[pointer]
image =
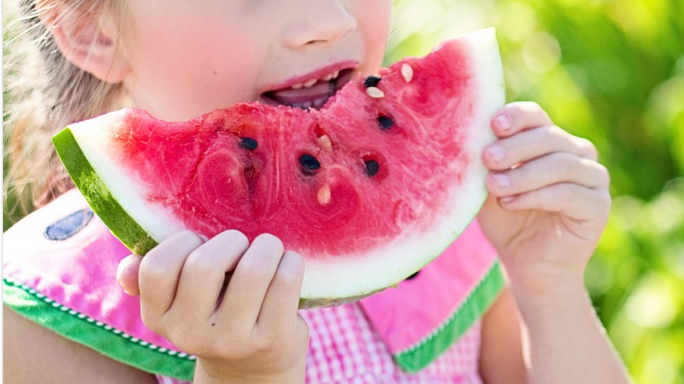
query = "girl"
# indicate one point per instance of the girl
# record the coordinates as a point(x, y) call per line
point(177, 59)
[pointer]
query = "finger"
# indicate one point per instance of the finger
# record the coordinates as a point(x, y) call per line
point(279, 312)
point(160, 270)
point(245, 293)
point(548, 170)
point(574, 201)
point(203, 276)
point(127, 274)
point(519, 116)
point(531, 144)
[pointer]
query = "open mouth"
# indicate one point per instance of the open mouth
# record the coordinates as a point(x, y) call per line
point(313, 93)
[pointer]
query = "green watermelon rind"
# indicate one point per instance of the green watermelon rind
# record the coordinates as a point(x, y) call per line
point(98, 196)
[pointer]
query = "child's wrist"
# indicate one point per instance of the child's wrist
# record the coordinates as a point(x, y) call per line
point(207, 372)
point(549, 291)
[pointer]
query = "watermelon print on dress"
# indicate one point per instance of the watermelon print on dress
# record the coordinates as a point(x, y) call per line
point(369, 189)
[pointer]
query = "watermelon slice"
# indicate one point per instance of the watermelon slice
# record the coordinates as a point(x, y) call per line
point(369, 189)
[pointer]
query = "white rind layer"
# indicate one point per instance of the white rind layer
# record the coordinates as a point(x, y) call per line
point(347, 275)
point(127, 189)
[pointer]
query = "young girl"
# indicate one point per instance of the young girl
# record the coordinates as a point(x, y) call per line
point(178, 59)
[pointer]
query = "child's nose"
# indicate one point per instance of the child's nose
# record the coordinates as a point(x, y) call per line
point(317, 21)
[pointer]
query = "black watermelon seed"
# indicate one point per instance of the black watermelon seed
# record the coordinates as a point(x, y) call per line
point(385, 122)
point(372, 167)
point(309, 163)
point(248, 143)
point(371, 81)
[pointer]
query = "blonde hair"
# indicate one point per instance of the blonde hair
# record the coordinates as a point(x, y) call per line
point(46, 92)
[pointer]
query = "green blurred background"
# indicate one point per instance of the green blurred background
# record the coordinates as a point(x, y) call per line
point(611, 71)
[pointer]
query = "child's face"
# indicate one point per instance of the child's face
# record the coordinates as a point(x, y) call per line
point(190, 57)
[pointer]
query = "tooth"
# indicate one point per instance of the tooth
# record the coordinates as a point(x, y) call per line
point(298, 86)
point(327, 77)
point(310, 83)
point(302, 105)
point(335, 74)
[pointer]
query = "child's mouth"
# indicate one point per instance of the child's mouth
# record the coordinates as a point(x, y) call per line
point(313, 93)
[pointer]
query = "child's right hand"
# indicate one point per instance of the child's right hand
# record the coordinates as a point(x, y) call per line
point(231, 304)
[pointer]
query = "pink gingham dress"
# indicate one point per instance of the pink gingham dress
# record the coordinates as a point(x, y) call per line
point(344, 349)
point(59, 270)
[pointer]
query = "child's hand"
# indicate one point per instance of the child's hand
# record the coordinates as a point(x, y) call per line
point(232, 305)
point(549, 199)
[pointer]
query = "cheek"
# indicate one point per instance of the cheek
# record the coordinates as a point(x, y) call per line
point(199, 64)
point(375, 20)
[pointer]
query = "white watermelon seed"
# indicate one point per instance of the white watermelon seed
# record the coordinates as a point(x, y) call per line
point(324, 195)
point(325, 143)
point(375, 93)
point(407, 72)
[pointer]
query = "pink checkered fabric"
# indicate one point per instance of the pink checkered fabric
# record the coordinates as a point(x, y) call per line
point(344, 349)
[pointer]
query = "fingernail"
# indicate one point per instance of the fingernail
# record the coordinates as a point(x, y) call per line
point(503, 122)
point(496, 152)
point(502, 180)
point(123, 264)
point(507, 199)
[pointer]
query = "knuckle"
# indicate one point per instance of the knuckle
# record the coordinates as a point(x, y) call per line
point(201, 262)
point(588, 149)
point(153, 268)
point(289, 279)
point(253, 270)
point(153, 322)
point(532, 107)
point(604, 174)
point(267, 343)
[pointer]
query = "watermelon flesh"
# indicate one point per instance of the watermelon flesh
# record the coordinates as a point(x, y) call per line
point(368, 189)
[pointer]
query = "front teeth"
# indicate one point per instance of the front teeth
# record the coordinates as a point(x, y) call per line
point(311, 82)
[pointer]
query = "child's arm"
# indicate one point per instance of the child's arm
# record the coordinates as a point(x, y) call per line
point(245, 331)
point(548, 206)
point(35, 354)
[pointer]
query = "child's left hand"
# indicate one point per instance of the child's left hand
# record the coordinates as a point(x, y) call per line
point(549, 199)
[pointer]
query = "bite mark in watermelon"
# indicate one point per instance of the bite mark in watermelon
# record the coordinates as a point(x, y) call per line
point(368, 189)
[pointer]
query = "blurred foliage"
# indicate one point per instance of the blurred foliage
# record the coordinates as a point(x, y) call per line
point(611, 71)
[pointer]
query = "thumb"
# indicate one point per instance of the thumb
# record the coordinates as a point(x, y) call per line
point(127, 274)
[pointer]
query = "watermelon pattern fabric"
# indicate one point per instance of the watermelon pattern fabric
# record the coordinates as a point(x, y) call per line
point(69, 286)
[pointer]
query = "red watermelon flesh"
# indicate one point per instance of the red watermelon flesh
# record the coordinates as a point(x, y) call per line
point(368, 189)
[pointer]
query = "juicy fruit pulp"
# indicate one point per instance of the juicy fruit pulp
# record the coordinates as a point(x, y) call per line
point(369, 189)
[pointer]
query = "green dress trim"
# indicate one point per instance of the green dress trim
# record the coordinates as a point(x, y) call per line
point(99, 336)
point(473, 307)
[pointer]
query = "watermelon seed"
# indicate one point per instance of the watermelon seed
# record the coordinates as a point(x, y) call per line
point(248, 143)
point(324, 195)
point(372, 167)
point(375, 93)
point(407, 72)
point(309, 163)
point(385, 122)
point(325, 143)
point(371, 81)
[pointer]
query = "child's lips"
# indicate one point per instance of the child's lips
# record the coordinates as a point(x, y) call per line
point(310, 96)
